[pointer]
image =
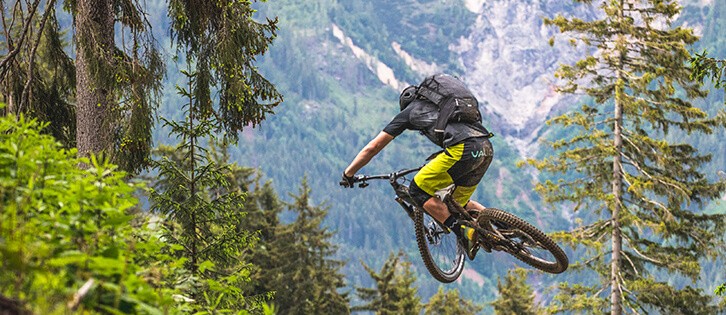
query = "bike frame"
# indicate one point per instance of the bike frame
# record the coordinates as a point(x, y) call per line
point(404, 199)
point(496, 230)
point(401, 189)
point(487, 237)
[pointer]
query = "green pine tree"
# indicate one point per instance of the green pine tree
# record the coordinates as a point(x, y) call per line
point(117, 83)
point(225, 40)
point(202, 212)
point(292, 260)
point(300, 270)
point(515, 295)
point(394, 293)
point(450, 303)
point(37, 77)
point(706, 67)
point(268, 258)
point(101, 102)
point(642, 188)
point(715, 69)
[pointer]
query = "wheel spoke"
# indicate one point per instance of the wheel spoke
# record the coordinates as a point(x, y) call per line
point(440, 251)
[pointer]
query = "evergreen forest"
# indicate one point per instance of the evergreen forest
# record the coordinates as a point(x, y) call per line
point(184, 157)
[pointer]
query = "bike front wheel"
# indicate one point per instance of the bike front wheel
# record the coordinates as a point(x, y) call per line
point(524, 241)
point(440, 250)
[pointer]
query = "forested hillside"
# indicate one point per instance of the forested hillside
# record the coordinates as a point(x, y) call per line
point(336, 100)
point(238, 178)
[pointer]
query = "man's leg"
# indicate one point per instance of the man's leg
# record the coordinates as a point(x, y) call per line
point(437, 209)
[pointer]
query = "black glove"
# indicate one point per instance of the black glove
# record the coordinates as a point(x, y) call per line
point(347, 181)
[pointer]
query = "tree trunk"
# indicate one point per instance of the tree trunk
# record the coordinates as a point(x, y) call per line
point(616, 306)
point(615, 297)
point(94, 81)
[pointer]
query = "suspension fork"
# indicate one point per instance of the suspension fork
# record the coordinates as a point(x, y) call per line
point(407, 207)
point(403, 198)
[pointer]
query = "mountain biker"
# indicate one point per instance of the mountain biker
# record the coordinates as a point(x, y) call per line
point(466, 157)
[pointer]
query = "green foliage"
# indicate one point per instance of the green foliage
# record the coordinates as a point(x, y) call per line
point(394, 292)
point(37, 77)
point(118, 82)
point(516, 296)
point(201, 215)
point(294, 260)
point(61, 227)
point(450, 303)
point(705, 67)
point(630, 181)
point(224, 40)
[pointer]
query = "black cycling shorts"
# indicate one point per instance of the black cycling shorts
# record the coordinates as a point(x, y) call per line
point(462, 164)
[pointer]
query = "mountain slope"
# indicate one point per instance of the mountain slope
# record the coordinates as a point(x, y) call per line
point(341, 65)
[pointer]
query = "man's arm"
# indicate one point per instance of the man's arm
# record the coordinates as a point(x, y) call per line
point(368, 152)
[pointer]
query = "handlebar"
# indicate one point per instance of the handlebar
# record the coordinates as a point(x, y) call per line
point(392, 177)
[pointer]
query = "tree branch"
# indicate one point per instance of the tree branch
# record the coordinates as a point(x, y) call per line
point(27, 91)
point(635, 249)
point(11, 55)
point(78, 296)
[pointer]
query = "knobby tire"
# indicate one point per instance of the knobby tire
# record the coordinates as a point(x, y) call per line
point(543, 241)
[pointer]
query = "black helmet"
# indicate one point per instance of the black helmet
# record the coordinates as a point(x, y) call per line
point(407, 96)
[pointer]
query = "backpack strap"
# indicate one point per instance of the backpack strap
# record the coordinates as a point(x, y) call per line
point(431, 95)
point(439, 99)
point(445, 112)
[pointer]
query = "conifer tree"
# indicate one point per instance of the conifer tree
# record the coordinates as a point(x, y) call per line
point(641, 188)
point(515, 295)
point(714, 69)
point(224, 39)
point(103, 101)
point(707, 67)
point(450, 303)
point(394, 293)
point(95, 25)
point(202, 212)
point(37, 77)
point(117, 84)
point(297, 263)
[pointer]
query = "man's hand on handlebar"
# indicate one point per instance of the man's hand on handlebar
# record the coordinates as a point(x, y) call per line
point(347, 181)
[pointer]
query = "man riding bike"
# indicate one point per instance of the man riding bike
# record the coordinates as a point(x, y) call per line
point(466, 157)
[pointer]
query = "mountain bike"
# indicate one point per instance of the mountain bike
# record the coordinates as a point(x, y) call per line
point(496, 229)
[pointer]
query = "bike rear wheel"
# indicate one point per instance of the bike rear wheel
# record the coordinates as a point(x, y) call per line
point(440, 250)
point(531, 245)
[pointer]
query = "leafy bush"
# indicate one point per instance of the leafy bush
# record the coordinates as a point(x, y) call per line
point(65, 222)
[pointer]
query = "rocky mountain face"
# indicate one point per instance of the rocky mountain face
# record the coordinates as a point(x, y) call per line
point(509, 62)
point(504, 56)
point(503, 53)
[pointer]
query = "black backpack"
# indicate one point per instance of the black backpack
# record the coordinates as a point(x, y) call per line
point(455, 101)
